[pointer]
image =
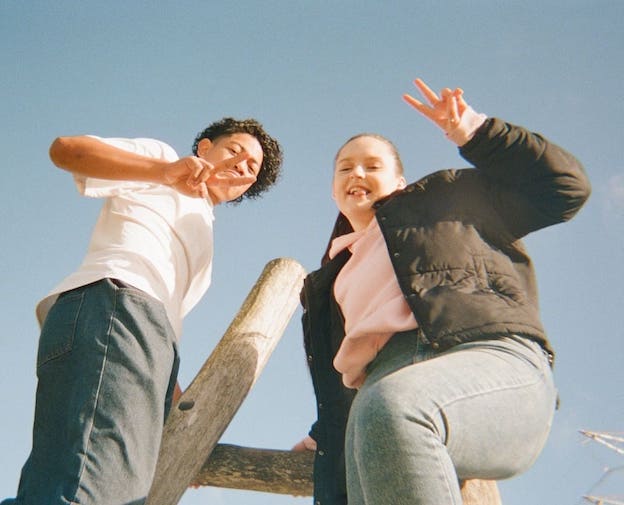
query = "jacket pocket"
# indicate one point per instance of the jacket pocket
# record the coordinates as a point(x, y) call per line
point(59, 328)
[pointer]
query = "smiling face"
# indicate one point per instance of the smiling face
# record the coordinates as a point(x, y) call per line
point(228, 146)
point(366, 169)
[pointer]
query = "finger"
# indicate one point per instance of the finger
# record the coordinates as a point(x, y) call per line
point(452, 112)
point(445, 93)
point(218, 180)
point(426, 91)
point(461, 103)
point(233, 161)
point(201, 169)
point(417, 104)
point(426, 111)
point(203, 190)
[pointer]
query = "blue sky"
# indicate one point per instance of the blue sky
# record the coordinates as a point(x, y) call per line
point(315, 73)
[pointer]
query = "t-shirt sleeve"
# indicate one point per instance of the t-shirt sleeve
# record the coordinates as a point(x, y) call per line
point(101, 188)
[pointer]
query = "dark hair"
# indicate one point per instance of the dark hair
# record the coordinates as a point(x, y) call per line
point(271, 150)
point(393, 149)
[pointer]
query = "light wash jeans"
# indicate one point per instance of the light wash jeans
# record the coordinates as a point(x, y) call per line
point(422, 421)
point(106, 367)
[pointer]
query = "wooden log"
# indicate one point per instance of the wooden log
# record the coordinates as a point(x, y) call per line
point(267, 470)
point(210, 402)
point(290, 473)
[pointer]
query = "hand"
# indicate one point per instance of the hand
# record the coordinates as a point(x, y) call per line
point(307, 444)
point(177, 174)
point(444, 110)
point(193, 175)
point(224, 173)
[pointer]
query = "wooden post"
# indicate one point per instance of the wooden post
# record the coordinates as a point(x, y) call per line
point(288, 472)
point(210, 402)
point(189, 453)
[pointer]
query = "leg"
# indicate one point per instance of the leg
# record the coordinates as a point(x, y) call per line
point(481, 410)
point(105, 362)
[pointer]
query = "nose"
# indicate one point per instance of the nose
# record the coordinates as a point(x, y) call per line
point(241, 167)
point(358, 171)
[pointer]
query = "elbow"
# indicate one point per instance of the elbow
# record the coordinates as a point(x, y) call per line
point(68, 152)
point(59, 151)
point(575, 197)
point(581, 188)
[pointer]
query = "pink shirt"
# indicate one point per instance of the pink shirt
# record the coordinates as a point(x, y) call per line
point(371, 300)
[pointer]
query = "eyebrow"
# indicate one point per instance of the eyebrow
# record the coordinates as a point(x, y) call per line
point(368, 158)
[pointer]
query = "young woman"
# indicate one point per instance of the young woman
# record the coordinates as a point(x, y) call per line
point(429, 361)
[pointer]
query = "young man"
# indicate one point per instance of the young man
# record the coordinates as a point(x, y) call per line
point(107, 360)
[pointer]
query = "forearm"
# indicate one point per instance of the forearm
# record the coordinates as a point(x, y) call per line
point(91, 157)
point(549, 181)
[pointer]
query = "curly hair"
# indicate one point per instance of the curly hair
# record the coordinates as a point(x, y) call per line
point(272, 152)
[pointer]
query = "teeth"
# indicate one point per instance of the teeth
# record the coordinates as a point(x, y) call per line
point(353, 191)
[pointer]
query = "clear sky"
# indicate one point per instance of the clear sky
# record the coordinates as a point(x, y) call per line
point(315, 73)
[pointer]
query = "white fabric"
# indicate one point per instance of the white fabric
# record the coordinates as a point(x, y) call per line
point(147, 235)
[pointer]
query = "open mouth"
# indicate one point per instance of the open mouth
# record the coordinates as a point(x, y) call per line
point(358, 191)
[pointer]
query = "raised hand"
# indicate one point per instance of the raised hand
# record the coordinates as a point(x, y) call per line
point(224, 173)
point(445, 109)
point(193, 175)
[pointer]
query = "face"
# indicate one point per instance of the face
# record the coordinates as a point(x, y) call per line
point(365, 171)
point(226, 147)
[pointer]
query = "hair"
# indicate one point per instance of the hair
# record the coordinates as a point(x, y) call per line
point(270, 169)
point(393, 149)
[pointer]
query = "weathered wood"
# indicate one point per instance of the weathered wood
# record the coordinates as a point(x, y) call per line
point(267, 470)
point(290, 473)
point(210, 402)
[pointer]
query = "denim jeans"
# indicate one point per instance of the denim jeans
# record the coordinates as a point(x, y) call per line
point(106, 366)
point(423, 421)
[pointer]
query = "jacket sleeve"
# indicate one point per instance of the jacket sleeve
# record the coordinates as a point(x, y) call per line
point(533, 182)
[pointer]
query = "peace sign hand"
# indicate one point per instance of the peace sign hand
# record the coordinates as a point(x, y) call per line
point(444, 110)
point(226, 172)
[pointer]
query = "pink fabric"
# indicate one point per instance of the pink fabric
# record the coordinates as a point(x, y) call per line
point(371, 301)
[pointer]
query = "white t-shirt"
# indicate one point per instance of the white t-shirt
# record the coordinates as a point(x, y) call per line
point(147, 235)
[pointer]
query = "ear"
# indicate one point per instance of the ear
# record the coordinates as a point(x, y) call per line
point(203, 146)
point(402, 183)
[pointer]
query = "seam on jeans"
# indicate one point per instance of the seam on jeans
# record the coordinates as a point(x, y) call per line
point(97, 398)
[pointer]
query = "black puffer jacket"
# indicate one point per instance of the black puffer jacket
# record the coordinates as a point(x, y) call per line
point(454, 241)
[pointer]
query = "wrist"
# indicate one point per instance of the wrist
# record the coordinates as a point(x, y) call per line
point(469, 123)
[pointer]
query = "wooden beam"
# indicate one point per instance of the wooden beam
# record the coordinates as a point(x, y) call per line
point(290, 473)
point(210, 402)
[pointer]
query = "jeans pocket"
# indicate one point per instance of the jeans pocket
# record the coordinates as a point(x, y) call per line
point(59, 328)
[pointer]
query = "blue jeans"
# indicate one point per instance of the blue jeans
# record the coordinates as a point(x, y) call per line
point(423, 421)
point(106, 365)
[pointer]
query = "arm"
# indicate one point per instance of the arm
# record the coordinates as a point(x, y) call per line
point(90, 157)
point(534, 183)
